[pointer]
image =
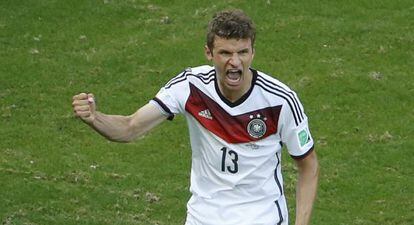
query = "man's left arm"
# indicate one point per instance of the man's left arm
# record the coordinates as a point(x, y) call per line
point(308, 173)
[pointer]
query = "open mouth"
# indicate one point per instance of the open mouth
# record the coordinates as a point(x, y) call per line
point(233, 76)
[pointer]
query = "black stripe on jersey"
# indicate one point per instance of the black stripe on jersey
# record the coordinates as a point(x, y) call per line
point(176, 78)
point(279, 212)
point(297, 121)
point(276, 178)
point(165, 108)
point(282, 89)
point(206, 78)
point(287, 93)
point(208, 74)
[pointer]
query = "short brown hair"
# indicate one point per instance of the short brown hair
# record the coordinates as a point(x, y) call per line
point(230, 24)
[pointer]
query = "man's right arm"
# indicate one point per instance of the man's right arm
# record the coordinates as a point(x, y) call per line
point(116, 127)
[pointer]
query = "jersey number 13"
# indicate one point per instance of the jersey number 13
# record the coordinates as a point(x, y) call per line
point(234, 167)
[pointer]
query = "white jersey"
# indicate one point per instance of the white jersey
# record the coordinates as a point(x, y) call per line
point(236, 174)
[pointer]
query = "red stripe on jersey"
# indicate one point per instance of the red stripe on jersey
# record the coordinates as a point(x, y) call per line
point(233, 129)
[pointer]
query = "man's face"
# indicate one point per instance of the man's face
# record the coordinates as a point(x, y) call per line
point(232, 59)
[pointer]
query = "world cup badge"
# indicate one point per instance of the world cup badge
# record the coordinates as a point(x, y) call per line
point(256, 127)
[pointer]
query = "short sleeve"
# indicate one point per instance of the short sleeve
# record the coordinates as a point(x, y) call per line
point(295, 132)
point(170, 99)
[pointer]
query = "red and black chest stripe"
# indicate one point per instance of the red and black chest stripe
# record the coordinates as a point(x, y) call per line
point(242, 128)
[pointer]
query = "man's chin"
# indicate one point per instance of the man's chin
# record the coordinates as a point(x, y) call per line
point(234, 85)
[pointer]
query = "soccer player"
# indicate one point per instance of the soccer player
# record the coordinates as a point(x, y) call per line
point(239, 118)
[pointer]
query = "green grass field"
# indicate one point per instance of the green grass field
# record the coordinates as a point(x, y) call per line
point(351, 62)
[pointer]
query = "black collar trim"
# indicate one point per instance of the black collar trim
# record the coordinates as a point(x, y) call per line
point(242, 98)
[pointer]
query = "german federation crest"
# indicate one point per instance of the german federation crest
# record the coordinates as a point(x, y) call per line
point(256, 127)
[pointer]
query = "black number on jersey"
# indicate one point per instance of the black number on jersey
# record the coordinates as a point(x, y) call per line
point(234, 158)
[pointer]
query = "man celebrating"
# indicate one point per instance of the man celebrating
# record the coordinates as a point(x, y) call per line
point(238, 119)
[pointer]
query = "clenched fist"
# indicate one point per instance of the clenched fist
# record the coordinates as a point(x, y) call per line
point(84, 107)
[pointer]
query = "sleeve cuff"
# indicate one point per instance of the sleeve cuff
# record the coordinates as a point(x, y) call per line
point(299, 157)
point(164, 108)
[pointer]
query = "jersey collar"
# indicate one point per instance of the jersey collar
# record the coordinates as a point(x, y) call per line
point(242, 98)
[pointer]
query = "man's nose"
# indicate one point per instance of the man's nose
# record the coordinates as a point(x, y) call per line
point(235, 60)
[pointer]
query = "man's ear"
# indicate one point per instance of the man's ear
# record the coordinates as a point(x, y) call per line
point(208, 53)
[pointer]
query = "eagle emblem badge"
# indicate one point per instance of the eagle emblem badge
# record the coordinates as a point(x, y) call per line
point(257, 126)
